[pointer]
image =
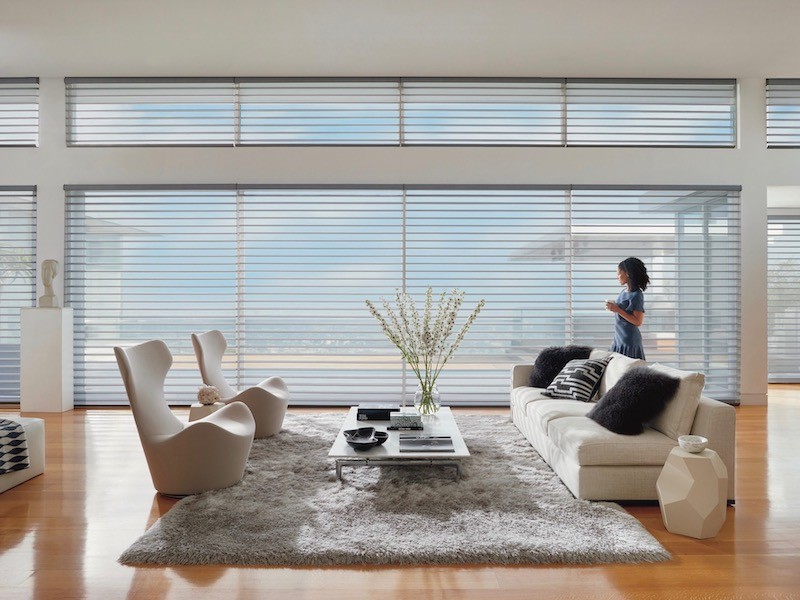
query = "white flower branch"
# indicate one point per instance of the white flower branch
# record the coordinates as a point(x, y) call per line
point(423, 340)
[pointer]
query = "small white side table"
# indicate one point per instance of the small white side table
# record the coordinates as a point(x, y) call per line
point(198, 411)
point(693, 493)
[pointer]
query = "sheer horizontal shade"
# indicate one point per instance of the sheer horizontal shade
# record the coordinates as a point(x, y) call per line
point(17, 279)
point(475, 113)
point(322, 112)
point(784, 290)
point(19, 112)
point(284, 272)
point(401, 111)
point(152, 113)
point(651, 113)
point(783, 113)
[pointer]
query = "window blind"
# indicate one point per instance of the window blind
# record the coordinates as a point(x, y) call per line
point(143, 264)
point(152, 112)
point(689, 240)
point(19, 111)
point(310, 258)
point(499, 245)
point(620, 112)
point(783, 113)
point(784, 290)
point(327, 112)
point(401, 111)
point(284, 271)
point(479, 112)
point(17, 278)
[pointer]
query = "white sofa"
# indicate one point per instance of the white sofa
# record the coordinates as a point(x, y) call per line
point(597, 464)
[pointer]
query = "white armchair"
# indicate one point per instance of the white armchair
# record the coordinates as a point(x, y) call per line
point(183, 458)
point(268, 400)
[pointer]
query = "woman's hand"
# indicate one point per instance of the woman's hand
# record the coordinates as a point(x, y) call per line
point(612, 306)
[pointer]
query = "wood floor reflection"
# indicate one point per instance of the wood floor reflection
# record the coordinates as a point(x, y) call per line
point(60, 534)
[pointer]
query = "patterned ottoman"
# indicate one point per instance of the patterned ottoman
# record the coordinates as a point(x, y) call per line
point(34, 436)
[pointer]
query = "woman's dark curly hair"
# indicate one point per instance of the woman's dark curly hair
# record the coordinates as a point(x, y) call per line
point(637, 273)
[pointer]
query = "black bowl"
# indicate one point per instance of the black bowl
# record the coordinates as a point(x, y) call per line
point(365, 438)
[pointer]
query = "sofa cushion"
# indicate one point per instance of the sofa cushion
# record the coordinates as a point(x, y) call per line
point(551, 360)
point(588, 443)
point(616, 369)
point(544, 411)
point(677, 418)
point(638, 397)
point(521, 396)
point(578, 380)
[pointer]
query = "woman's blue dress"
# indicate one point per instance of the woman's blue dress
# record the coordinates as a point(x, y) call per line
point(627, 337)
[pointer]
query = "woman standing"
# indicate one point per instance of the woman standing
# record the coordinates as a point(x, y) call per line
point(629, 307)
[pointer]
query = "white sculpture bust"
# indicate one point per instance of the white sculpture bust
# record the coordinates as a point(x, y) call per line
point(49, 271)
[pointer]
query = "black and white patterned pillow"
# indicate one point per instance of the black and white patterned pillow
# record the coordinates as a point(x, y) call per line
point(578, 380)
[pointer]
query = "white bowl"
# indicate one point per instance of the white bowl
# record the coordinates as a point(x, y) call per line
point(693, 443)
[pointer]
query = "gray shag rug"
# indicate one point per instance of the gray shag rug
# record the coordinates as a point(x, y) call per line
point(508, 508)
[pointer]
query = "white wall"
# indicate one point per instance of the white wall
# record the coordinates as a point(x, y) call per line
point(751, 165)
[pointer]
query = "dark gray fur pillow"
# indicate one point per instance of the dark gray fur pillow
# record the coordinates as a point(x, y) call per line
point(637, 398)
point(551, 360)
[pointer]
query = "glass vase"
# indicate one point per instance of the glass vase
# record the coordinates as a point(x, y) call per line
point(426, 399)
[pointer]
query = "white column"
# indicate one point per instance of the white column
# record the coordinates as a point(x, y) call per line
point(50, 181)
point(754, 180)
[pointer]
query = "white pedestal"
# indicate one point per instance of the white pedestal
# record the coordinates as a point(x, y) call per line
point(46, 359)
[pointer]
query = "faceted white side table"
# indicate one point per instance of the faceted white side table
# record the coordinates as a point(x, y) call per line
point(693, 493)
point(198, 411)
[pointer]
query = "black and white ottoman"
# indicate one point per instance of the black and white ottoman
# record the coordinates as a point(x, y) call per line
point(34, 436)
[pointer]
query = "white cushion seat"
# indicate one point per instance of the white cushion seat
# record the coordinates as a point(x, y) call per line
point(267, 401)
point(522, 396)
point(592, 444)
point(184, 459)
point(545, 411)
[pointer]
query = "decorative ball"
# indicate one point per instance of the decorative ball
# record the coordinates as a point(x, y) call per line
point(207, 394)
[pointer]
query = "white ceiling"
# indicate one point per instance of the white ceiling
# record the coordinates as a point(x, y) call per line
point(625, 38)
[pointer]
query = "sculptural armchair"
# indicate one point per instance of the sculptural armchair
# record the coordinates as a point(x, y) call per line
point(183, 458)
point(268, 400)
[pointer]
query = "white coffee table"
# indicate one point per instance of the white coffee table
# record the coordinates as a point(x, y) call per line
point(388, 454)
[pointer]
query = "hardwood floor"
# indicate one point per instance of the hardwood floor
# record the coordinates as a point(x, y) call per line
point(60, 534)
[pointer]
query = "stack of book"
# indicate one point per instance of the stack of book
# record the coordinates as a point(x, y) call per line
point(426, 443)
point(376, 412)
